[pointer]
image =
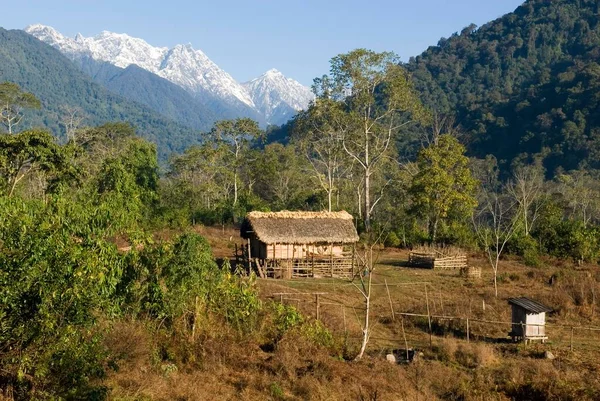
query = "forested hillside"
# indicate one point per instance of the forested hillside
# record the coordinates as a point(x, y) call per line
point(523, 85)
point(135, 83)
point(58, 83)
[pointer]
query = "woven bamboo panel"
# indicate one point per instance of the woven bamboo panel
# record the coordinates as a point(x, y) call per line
point(429, 261)
point(470, 272)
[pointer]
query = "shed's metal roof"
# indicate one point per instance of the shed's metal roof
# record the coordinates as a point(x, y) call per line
point(529, 305)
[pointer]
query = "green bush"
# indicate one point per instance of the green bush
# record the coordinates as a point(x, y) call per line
point(392, 240)
point(526, 247)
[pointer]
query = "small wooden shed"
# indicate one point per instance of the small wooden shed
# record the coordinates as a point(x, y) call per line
point(528, 319)
point(300, 244)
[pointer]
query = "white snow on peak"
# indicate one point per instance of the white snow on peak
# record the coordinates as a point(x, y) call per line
point(191, 69)
point(276, 97)
point(273, 93)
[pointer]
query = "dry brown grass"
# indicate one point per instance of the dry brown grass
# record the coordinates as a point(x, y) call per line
point(221, 365)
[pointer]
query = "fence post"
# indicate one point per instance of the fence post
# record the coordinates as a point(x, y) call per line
point(404, 335)
point(468, 339)
point(318, 305)
point(390, 299)
point(572, 329)
point(344, 315)
point(428, 316)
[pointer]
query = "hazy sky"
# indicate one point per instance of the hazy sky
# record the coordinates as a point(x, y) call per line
point(246, 37)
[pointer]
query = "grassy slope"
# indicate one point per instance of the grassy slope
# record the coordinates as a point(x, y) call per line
point(218, 367)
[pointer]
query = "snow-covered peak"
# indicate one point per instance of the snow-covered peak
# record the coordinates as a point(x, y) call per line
point(68, 46)
point(273, 71)
point(183, 65)
point(277, 96)
point(274, 96)
point(123, 50)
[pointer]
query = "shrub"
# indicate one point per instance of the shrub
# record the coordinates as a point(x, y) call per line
point(392, 240)
point(526, 247)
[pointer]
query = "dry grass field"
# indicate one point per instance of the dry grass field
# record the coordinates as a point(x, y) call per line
point(220, 365)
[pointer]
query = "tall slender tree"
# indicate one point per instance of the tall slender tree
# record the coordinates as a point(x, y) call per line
point(378, 99)
point(236, 135)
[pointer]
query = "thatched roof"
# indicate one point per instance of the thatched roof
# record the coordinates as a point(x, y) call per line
point(300, 227)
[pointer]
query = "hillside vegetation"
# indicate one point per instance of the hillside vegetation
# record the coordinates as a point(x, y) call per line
point(523, 85)
point(118, 278)
point(58, 83)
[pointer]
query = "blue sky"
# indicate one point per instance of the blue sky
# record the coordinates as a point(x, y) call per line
point(248, 37)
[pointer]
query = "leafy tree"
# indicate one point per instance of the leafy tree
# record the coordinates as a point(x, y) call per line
point(377, 96)
point(28, 152)
point(279, 179)
point(443, 186)
point(54, 284)
point(12, 102)
point(318, 132)
point(236, 136)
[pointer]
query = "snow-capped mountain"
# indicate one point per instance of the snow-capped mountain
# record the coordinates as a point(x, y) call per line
point(272, 96)
point(278, 98)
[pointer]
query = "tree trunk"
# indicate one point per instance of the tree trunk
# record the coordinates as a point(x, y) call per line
point(235, 188)
point(433, 229)
point(367, 203)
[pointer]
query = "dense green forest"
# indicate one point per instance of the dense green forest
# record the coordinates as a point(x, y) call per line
point(135, 83)
point(523, 86)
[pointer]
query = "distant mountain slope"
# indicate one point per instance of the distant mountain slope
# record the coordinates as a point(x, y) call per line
point(188, 68)
point(527, 83)
point(278, 98)
point(57, 82)
point(162, 96)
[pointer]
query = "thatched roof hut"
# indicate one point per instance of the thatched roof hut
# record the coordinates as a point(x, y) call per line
point(300, 227)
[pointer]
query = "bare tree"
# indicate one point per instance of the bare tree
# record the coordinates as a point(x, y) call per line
point(495, 224)
point(72, 118)
point(526, 188)
point(366, 264)
point(582, 193)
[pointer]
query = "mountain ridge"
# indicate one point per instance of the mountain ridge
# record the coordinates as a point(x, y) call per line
point(44, 71)
point(188, 68)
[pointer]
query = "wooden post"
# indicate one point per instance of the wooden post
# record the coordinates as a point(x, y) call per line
point(404, 335)
point(468, 339)
point(294, 258)
point(331, 258)
point(280, 298)
point(274, 259)
point(390, 299)
point(344, 316)
point(318, 306)
point(572, 329)
point(353, 252)
point(428, 316)
point(249, 255)
point(312, 258)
